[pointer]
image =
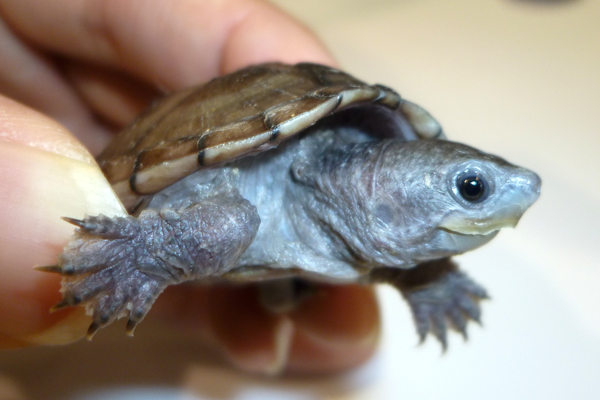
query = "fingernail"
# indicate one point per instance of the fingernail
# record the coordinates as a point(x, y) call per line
point(283, 334)
point(67, 330)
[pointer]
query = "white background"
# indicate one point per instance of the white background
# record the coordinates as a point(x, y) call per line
point(516, 78)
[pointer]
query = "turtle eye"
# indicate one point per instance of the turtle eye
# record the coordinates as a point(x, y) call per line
point(472, 187)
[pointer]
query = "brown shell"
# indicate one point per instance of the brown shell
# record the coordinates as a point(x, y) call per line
point(249, 111)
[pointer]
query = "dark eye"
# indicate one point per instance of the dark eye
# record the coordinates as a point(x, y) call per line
point(472, 187)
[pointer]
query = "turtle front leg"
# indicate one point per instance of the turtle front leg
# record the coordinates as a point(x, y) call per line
point(118, 266)
point(438, 294)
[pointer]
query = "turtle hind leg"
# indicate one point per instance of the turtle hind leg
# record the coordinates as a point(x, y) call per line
point(439, 296)
point(118, 266)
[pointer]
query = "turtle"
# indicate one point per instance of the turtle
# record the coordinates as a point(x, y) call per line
point(287, 175)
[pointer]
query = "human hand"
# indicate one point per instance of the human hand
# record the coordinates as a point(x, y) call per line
point(92, 65)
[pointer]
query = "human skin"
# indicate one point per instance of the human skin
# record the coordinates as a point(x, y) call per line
point(72, 73)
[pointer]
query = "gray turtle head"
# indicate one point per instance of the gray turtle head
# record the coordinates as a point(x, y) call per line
point(446, 198)
point(399, 203)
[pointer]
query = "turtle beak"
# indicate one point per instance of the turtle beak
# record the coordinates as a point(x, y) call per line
point(506, 217)
point(519, 192)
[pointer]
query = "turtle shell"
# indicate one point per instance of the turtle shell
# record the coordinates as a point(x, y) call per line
point(249, 111)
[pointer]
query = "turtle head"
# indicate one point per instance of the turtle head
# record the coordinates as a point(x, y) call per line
point(446, 198)
point(394, 202)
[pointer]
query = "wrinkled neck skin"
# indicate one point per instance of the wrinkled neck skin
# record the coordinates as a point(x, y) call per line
point(347, 202)
point(330, 203)
point(337, 203)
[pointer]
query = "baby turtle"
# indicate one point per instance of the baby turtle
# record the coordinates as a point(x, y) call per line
point(279, 172)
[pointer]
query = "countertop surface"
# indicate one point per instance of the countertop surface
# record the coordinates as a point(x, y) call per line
point(516, 78)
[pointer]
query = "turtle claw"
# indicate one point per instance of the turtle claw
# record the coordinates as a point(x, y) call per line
point(108, 299)
point(131, 324)
point(105, 227)
point(57, 269)
point(439, 330)
point(60, 305)
point(94, 327)
point(458, 321)
point(74, 221)
point(430, 321)
point(88, 224)
point(64, 270)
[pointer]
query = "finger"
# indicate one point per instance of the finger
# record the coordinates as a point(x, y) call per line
point(334, 330)
point(171, 44)
point(31, 78)
point(265, 33)
point(44, 174)
point(114, 96)
point(252, 338)
point(239, 32)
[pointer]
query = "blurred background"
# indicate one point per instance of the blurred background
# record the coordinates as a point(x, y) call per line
point(517, 78)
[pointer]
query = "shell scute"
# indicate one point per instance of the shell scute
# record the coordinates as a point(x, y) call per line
point(242, 113)
point(166, 151)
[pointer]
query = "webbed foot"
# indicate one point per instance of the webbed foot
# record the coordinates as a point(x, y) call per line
point(118, 266)
point(439, 295)
point(103, 268)
point(453, 300)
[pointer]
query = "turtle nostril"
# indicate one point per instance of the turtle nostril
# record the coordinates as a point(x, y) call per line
point(536, 182)
point(525, 187)
point(529, 181)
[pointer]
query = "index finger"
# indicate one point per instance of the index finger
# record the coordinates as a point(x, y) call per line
point(170, 44)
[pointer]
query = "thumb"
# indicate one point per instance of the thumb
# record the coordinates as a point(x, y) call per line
point(45, 174)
